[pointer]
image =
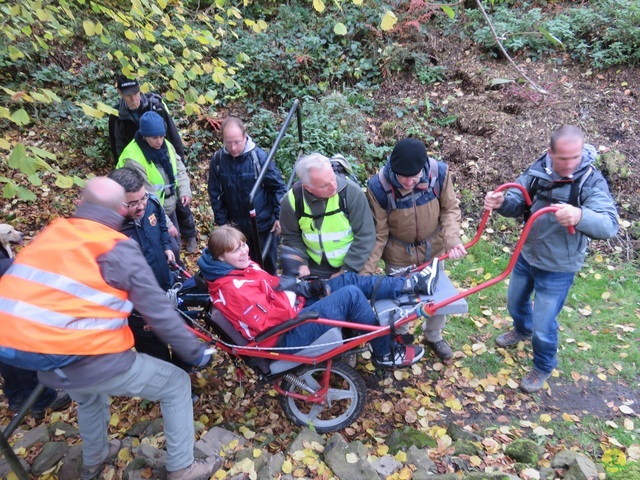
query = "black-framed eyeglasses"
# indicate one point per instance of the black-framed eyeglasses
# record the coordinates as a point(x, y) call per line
point(142, 201)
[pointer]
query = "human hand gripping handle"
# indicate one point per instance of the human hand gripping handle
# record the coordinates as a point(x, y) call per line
point(290, 261)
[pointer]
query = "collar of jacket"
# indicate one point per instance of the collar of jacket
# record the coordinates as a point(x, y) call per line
point(99, 214)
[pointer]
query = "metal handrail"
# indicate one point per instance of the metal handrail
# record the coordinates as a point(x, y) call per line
point(255, 240)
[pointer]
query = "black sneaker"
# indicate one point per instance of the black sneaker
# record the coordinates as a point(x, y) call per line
point(58, 403)
point(424, 282)
point(405, 356)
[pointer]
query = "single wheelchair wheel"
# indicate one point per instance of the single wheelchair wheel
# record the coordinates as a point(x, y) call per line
point(344, 402)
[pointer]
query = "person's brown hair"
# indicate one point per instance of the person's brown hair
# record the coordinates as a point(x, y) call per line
point(225, 239)
point(565, 131)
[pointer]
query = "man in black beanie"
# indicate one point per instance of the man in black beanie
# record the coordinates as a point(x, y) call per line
point(417, 218)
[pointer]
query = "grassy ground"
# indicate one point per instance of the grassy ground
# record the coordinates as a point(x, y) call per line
point(598, 372)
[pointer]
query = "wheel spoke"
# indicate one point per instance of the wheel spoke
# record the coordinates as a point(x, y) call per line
point(311, 382)
point(315, 411)
point(335, 394)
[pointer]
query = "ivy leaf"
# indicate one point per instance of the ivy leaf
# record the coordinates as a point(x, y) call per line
point(388, 21)
point(357, 2)
point(20, 117)
point(318, 5)
point(340, 29)
point(89, 28)
point(14, 53)
point(449, 11)
point(554, 40)
point(107, 109)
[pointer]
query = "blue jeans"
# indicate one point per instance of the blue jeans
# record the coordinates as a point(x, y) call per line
point(148, 378)
point(18, 385)
point(538, 320)
point(348, 302)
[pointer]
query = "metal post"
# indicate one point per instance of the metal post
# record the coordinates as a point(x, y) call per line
point(5, 448)
point(255, 241)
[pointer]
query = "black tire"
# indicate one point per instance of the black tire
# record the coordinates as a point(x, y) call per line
point(345, 400)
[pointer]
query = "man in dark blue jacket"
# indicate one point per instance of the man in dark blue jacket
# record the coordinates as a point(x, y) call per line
point(145, 223)
point(232, 174)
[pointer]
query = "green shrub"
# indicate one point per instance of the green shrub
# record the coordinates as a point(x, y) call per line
point(604, 33)
point(332, 124)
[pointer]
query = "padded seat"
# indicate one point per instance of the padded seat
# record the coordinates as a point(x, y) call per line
point(230, 335)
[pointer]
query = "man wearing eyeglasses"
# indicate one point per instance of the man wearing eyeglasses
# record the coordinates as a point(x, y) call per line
point(233, 173)
point(144, 222)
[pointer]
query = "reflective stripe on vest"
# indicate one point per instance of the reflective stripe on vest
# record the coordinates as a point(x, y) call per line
point(154, 177)
point(72, 287)
point(53, 299)
point(334, 238)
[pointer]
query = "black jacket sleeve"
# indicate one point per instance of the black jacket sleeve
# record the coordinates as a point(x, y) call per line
point(220, 216)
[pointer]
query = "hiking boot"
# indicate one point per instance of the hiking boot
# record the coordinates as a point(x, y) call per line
point(90, 472)
point(424, 281)
point(512, 337)
point(533, 381)
point(198, 470)
point(58, 403)
point(405, 356)
point(191, 245)
point(441, 348)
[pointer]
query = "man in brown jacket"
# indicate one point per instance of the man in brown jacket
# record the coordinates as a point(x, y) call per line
point(417, 218)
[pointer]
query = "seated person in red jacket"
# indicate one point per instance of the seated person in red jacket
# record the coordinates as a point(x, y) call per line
point(254, 301)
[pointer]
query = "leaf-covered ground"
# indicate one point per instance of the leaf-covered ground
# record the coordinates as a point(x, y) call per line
point(496, 134)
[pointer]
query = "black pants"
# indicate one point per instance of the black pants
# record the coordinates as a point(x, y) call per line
point(149, 343)
point(186, 222)
point(271, 259)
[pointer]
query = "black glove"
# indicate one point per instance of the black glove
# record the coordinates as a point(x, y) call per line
point(311, 286)
point(290, 261)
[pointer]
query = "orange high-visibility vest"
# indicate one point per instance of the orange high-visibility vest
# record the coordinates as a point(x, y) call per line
point(53, 299)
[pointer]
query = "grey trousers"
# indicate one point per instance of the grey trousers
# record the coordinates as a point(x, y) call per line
point(149, 378)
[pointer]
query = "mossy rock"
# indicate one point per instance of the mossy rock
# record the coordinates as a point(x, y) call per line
point(523, 451)
point(463, 447)
point(403, 438)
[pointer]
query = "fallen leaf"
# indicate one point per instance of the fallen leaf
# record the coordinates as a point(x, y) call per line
point(351, 458)
point(626, 410)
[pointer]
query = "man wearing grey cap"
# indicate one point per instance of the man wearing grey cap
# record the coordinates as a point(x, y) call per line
point(417, 218)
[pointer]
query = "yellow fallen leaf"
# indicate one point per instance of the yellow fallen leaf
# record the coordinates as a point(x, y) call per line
point(475, 460)
point(545, 418)
point(404, 474)
point(351, 458)
point(627, 410)
point(401, 456)
point(628, 424)
point(256, 452)
point(287, 467)
point(382, 450)
point(124, 455)
point(114, 420)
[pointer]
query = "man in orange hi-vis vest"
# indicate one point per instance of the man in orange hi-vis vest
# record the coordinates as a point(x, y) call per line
point(69, 293)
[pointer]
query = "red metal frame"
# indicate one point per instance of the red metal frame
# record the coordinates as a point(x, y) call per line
point(426, 310)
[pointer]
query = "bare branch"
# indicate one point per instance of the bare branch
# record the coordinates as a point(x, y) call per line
point(533, 84)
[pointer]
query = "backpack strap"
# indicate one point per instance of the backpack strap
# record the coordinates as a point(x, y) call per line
point(388, 190)
point(257, 166)
point(298, 195)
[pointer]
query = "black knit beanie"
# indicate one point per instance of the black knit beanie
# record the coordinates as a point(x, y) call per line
point(408, 157)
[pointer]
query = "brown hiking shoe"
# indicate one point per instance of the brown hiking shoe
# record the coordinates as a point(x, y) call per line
point(191, 245)
point(198, 470)
point(441, 348)
point(533, 381)
point(512, 337)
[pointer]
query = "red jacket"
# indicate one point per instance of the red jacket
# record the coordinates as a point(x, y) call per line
point(249, 300)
